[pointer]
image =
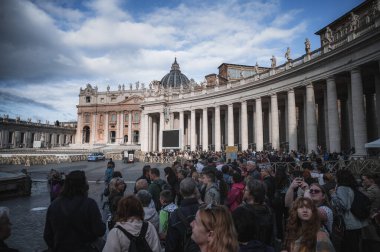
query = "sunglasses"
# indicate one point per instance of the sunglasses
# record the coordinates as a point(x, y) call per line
point(315, 191)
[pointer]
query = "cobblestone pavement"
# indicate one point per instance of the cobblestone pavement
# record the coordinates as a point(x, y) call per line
point(28, 213)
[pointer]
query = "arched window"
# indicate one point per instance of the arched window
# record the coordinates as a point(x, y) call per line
point(113, 118)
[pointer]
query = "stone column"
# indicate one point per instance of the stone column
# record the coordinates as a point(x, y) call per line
point(217, 129)
point(311, 122)
point(192, 130)
point(333, 118)
point(292, 121)
point(154, 134)
point(377, 90)
point(162, 127)
point(259, 126)
point(79, 130)
point(181, 129)
point(230, 126)
point(244, 126)
point(205, 130)
point(326, 117)
point(93, 130)
point(106, 133)
point(358, 113)
point(144, 139)
point(130, 127)
point(149, 133)
point(275, 125)
point(171, 120)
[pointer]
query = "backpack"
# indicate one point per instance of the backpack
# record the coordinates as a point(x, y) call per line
point(188, 245)
point(137, 243)
point(360, 207)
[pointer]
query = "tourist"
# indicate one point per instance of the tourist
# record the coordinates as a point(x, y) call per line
point(213, 229)
point(156, 186)
point(168, 207)
point(371, 238)
point(150, 214)
point(342, 198)
point(303, 230)
point(248, 236)
point(117, 188)
point(254, 204)
point(145, 175)
point(235, 195)
point(73, 220)
point(212, 193)
point(188, 208)
point(5, 229)
point(130, 217)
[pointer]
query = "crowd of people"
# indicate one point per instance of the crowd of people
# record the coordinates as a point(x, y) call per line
point(212, 204)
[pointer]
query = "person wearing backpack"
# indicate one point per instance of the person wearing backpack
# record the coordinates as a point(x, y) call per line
point(371, 238)
point(156, 187)
point(178, 238)
point(131, 233)
point(235, 195)
point(342, 199)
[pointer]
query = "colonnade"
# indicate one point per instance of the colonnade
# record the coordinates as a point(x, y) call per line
point(330, 113)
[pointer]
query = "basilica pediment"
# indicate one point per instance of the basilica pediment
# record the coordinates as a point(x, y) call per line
point(133, 99)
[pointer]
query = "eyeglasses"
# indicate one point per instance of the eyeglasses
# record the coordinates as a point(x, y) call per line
point(210, 208)
point(315, 191)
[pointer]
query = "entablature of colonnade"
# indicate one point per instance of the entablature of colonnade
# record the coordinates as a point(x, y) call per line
point(353, 54)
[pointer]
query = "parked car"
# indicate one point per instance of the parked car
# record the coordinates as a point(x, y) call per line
point(96, 156)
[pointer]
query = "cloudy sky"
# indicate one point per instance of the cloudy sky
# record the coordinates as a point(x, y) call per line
point(49, 49)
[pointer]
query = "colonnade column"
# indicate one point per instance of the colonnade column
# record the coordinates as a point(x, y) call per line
point(275, 125)
point(130, 127)
point(162, 127)
point(205, 130)
point(181, 129)
point(144, 132)
point(192, 129)
point(154, 134)
point(149, 133)
point(311, 122)
point(377, 90)
point(244, 126)
point(79, 130)
point(93, 131)
point(106, 133)
point(358, 116)
point(217, 129)
point(332, 114)
point(230, 126)
point(259, 125)
point(292, 121)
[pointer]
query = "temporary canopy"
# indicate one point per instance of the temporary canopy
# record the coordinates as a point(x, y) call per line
point(374, 144)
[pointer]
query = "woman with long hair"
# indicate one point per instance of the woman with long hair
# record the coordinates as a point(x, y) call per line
point(304, 231)
point(130, 218)
point(214, 230)
point(318, 194)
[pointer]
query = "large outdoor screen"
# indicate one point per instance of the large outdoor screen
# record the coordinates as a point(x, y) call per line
point(170, 139)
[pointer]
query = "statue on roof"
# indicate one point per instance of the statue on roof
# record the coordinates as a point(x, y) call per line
point(287, 54)
point(354, 22)
point(119, 87)
point(307, 46)
point(137, 85)
point(130, 86)
point(256, 68)
point(108, 87)
point(273, 61)
point(123, 87)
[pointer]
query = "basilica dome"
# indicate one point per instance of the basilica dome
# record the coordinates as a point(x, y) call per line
point(175, 79)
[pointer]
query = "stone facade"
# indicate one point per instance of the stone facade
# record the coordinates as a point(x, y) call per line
point(327, 98)
point(16, 133)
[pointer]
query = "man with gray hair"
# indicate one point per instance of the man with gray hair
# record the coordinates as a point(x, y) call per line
point(150, 214)
point(180, 219)
point(5, 229)
point(252, 170)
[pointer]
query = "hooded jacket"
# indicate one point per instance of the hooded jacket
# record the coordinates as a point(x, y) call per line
point(118, 241)
point(235, 195)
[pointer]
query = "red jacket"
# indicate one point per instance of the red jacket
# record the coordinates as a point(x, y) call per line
point(235, 195)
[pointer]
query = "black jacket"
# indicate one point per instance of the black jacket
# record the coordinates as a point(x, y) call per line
point(72, 223)
point(176, 229)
